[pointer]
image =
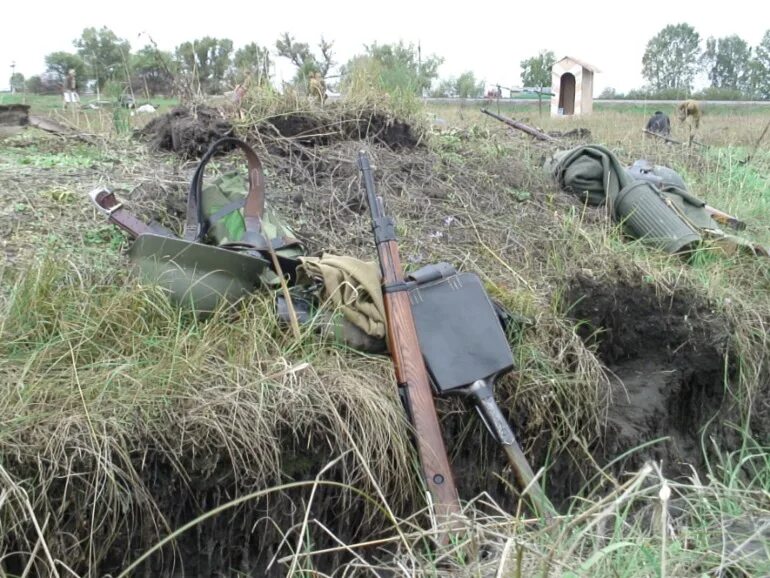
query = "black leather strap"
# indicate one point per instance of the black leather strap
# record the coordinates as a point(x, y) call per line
point(254, 206)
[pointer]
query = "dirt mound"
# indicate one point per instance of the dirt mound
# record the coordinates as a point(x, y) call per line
point(667, 359)
point(244, 540)
point(13, 118)
point(336, 125)
point(14, 114)
point(187, 132)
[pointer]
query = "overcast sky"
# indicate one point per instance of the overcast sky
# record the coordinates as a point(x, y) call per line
point(489, 38)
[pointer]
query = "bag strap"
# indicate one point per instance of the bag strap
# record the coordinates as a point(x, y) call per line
point(109, 205)
point(197, 226)
point(229, 208)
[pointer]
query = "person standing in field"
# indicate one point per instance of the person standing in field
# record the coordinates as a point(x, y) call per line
point(318, 87)
point(70, 89)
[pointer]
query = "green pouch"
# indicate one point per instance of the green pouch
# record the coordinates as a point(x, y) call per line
point(224, 254)
point(222, 202)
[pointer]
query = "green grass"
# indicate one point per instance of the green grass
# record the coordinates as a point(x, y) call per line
point(75, 156)
point(47, 103)
point(743, 189)
point(102, 376)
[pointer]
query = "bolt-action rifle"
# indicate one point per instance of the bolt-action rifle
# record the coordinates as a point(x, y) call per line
point(411, 373)
point(443, 332)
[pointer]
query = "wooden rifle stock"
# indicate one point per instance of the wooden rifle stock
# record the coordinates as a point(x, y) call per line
point(411, 373)
point(725, 219)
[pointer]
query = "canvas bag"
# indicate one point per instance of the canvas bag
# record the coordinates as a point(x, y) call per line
point(216, 213)
point(199, 271)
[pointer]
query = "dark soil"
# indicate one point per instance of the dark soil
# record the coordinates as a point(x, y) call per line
point(187, 132)
point(190, 132)
point(245, 540)
point(324, 129)
point(666, 356)
point(14, 114)
point(251, 538)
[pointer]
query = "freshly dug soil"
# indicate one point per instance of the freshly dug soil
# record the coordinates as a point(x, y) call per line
point(187, 132)
point(14, 114)
point(666, 356)
point(13, 119)
point(245, 540)
point(323, 129)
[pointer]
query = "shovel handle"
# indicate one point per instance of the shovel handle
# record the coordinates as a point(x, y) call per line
point(498, 426)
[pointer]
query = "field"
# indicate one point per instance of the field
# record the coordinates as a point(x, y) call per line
point(137, 440)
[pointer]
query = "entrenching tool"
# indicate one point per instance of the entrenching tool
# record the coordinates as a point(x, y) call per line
point(465, 351)
point(197, 276)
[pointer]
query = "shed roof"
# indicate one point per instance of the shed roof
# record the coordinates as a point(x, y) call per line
point(585, 65)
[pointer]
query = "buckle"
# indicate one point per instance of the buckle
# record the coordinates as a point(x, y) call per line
point(98, 195)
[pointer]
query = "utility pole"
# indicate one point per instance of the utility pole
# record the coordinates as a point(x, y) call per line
point(419, 68)
point(13, 73)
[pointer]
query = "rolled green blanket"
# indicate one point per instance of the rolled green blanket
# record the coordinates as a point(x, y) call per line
point(592, 172)
point(667, 219)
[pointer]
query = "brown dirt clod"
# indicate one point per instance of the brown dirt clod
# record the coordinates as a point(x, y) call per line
point(311, 129)
point(187, 132)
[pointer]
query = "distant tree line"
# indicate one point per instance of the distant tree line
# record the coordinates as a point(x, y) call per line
point(675, 56)
point(672, 60)
point(214, 65)
point(105, 60)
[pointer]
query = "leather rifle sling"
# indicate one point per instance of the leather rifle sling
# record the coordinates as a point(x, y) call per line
point(108, 204)
point(253, 210)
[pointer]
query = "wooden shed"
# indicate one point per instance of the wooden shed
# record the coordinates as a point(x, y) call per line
point(572, 85)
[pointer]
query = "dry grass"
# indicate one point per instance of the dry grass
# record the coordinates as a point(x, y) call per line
point(95, 369)
point(125, 420)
